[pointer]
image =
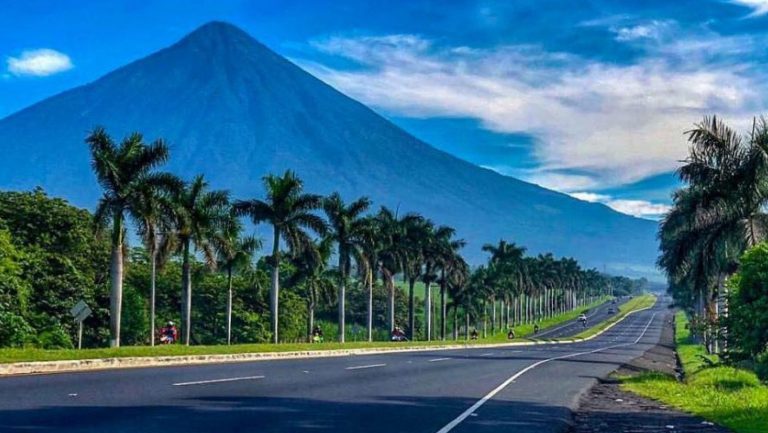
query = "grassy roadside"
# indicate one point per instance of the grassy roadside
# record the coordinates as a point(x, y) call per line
point(636, 303)
point(728, 396)
point(27, 355)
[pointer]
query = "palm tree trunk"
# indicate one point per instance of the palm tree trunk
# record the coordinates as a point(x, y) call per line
point(442, 307)
point(152, 294)
point(428, 310)
point(186, 280)
point(342, 294)
point(369, 278)
point(493, 316)
point(229, 305)
point(310, 318)
point(274, 290)
point(116, 277)
point(455, 322)
point(411, 307)
point(466, 325)
point(391, 284)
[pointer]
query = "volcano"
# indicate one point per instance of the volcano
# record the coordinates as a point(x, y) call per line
point(234, 110)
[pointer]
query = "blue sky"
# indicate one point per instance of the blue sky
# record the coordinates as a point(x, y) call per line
point(590, 98)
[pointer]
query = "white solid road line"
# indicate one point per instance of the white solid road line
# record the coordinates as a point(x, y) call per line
point(230, 379)
point(451, 425)
point(360, 367)
point(439, 359)
point(486, 354)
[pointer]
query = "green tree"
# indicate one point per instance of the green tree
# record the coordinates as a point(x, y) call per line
point(198, 213)
point(289, 210)
point(122, 171)
point(346, 229)
point(234, 252)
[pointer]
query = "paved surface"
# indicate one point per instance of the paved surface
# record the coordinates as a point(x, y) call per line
point(524, 389)
point(606, 408)
point(573, 327)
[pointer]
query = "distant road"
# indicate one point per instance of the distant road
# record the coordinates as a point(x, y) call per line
point(522, 389)
point(573, 327)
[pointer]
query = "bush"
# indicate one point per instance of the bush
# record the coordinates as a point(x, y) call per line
point(761, 366)
point(748, 309)
point(54, 338)
point(14, 330)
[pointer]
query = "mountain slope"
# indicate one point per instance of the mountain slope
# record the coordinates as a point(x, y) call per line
point(234, 110)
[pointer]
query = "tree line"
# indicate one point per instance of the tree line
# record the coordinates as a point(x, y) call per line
point(320, 248)
point(718, 215)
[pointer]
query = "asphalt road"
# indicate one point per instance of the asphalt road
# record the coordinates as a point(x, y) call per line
point(522, 389)
point(573, 327)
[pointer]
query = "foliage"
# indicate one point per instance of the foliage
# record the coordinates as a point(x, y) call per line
point(748, 303)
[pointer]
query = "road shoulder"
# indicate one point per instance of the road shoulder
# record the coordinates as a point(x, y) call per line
point(606, 408)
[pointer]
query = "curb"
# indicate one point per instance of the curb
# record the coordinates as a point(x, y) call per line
point(49, 367)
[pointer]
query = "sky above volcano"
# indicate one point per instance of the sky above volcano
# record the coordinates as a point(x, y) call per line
point(590, 98)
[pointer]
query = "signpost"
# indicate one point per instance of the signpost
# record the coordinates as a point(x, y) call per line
point(80, 312)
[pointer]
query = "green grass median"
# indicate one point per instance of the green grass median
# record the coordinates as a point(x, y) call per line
point(729, 396)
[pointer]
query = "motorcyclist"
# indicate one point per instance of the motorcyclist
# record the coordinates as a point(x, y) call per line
point(317, 334)
point(536, 328)
point(473, 335)
point(169, 334)
point(583, 320)
point(398, 334)
point(511, 334)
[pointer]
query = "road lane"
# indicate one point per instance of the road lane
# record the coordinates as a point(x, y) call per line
point(405, 392)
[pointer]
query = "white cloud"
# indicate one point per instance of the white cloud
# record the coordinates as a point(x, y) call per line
point(615, 123)
point(638, 208)
point(759, 7)
point(653, 29)
point(41, 62)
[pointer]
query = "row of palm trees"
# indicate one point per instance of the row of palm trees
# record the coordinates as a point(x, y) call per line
point(189, 219)
point(716, 215)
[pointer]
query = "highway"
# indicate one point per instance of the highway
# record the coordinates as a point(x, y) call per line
point(519, 389)
point(573, 327)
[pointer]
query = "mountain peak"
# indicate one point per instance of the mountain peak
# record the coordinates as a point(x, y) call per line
point(219, 34)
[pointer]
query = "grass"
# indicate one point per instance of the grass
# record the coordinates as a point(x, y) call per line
point(634, 304)
point(30, 354)
point(729, 396)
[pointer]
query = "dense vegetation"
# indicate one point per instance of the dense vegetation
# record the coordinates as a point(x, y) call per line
point(192, 263)
point(718, 215)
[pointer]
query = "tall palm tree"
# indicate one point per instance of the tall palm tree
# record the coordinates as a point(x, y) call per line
point(368, 249)
point(198, 214)
point(312, 276)
point(448, 258)
point(123, 171)
point(346, 225)
point(234, 252)
point(415, 232)
point(392, 251)
point(154, 212)
point(289, 210)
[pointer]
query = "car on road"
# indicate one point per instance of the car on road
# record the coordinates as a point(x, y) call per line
point(611, 310)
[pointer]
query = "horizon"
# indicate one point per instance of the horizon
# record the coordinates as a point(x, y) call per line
point(369, 64)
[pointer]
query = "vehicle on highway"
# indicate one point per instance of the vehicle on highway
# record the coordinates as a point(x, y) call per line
point(398, 334)
point(611, 310)
point(583, 320)
point(169, 334)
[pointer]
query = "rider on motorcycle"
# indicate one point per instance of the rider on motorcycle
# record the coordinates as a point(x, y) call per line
point(583, 320)
point(169, 334)
point(317, 334)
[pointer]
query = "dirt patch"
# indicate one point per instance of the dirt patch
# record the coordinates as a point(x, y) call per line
point(607, 409)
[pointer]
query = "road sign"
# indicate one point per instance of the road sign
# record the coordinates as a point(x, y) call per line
point(80, 312)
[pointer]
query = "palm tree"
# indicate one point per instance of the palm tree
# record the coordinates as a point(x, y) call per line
point(415, 233)
point(437, 249)
point(311, 274)
point(346, 227)
point(392, 251)
point(154, 213)
point(234, 252)
point(720, 211)
point(368, 249)
point(198, 213)
point(123, 171)
point(448, 260)
point(289, 211)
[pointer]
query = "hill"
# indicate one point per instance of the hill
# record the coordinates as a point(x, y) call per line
point(234, 110)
